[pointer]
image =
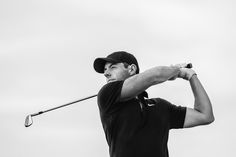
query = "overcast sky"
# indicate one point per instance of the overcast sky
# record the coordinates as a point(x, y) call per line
point(47, 49)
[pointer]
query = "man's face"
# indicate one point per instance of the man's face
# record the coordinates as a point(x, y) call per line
point(115, 72)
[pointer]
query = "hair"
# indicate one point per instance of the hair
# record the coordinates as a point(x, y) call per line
point(126, 65)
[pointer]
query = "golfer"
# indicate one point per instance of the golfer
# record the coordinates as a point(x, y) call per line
point(134, 125)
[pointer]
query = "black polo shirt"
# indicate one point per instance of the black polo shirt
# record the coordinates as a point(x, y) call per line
point(135, 131)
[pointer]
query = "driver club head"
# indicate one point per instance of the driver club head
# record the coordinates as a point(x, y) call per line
point(28, 121)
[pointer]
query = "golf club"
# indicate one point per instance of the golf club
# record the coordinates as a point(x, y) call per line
point(29, 119)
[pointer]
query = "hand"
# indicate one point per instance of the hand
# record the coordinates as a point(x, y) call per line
point(186, 73)
point(179, 66)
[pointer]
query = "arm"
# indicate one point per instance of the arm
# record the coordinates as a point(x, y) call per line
point(136, 84)
point(202, 113)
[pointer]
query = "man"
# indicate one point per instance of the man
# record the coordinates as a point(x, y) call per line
point(134, 125)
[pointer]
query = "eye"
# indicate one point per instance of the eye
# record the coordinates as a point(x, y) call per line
point(104, 70)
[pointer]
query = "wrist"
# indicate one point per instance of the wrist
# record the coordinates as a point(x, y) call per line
point(192, 76)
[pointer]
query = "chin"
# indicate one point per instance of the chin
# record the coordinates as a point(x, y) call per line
point(113, 80)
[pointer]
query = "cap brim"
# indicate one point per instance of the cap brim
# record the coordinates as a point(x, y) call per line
point(99, 64)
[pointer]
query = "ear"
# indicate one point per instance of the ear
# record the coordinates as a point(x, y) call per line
point(132, 69)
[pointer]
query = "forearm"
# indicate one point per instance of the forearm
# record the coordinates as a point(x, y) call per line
point(202, 102)
point(164, 73)
point(138, 83)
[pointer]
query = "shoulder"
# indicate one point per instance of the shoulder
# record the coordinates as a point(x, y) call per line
point(109, 94)
point(110, 87)
point(174, 114)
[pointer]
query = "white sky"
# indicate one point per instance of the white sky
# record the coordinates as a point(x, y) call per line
point(47, 49)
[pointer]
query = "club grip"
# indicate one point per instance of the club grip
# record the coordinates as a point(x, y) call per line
point(189, 65)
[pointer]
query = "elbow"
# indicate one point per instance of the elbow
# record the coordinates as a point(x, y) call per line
point(212, 119)
point(209, 120)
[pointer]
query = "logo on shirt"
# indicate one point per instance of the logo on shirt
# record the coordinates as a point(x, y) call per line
point(150, 105)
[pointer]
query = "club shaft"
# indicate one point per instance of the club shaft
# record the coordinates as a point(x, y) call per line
point(41, 112)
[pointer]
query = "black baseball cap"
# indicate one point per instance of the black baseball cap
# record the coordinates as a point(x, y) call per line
point(115, 57)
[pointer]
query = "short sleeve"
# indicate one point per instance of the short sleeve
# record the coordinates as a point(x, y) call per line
point(177, 116)
point(109, 96)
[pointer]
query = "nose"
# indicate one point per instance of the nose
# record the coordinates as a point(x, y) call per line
point(107, 73)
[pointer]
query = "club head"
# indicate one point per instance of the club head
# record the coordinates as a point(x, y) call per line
point(28, 121)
